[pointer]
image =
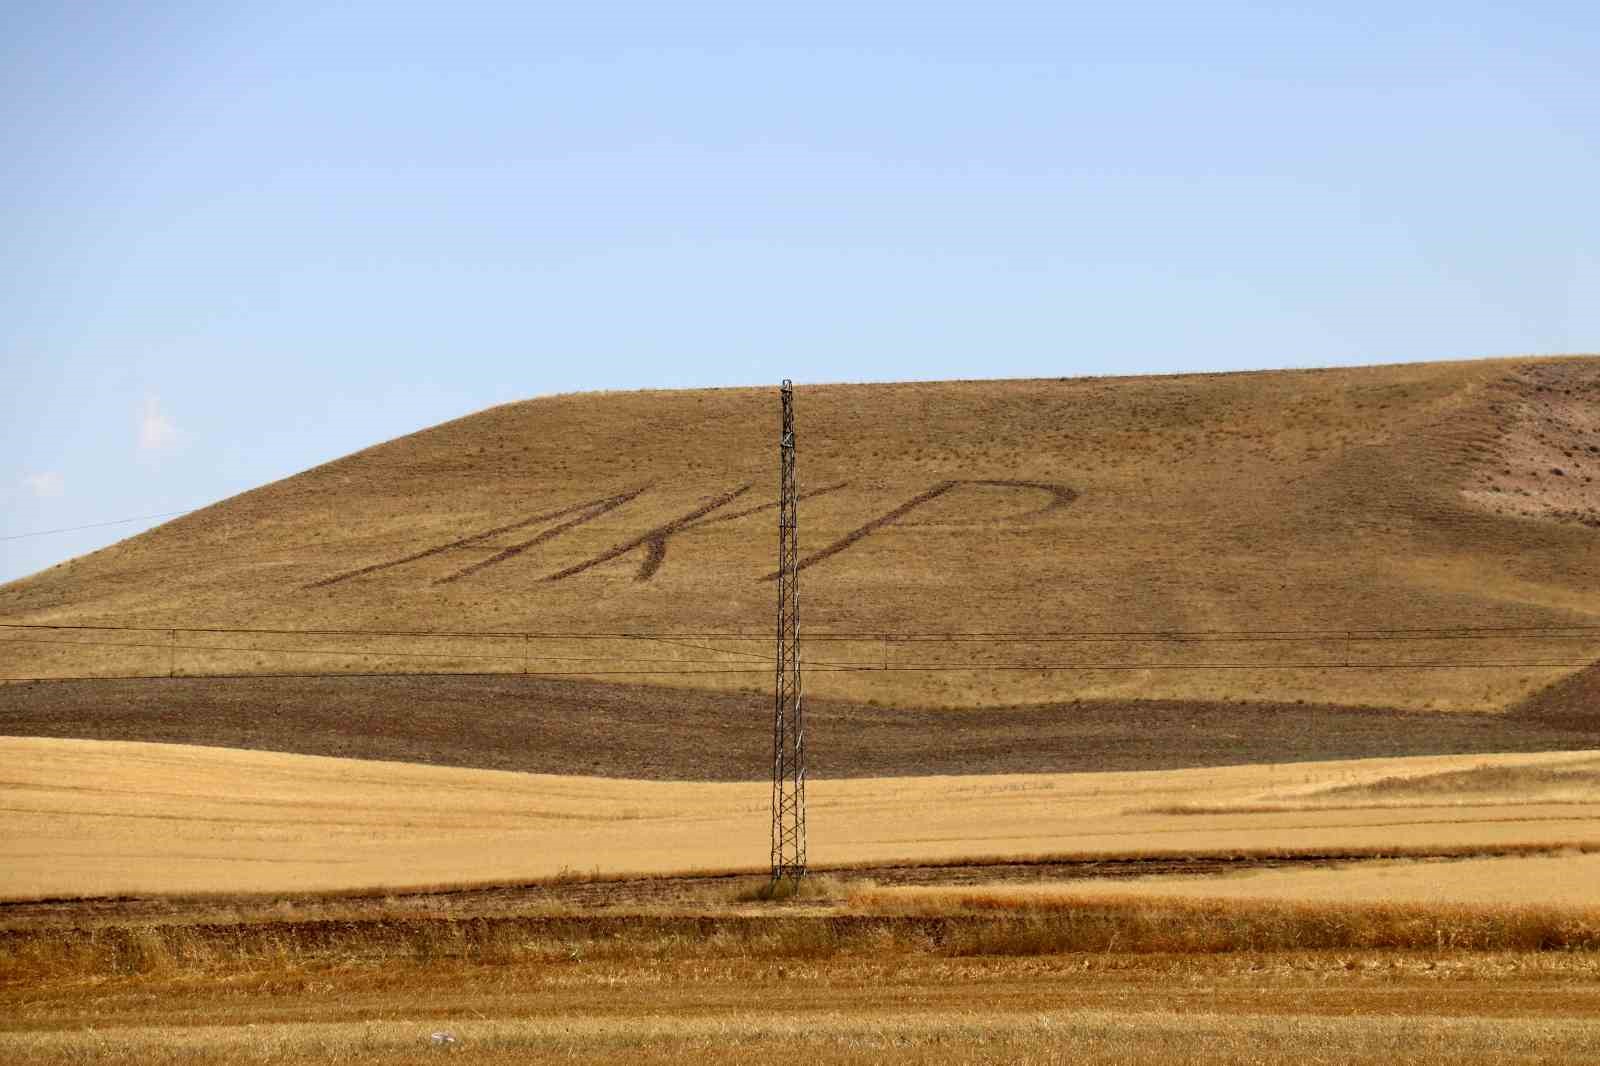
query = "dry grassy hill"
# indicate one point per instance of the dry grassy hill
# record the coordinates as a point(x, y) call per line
point(1433, 495)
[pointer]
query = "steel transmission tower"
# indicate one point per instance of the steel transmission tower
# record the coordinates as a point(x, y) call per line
point(788, 716)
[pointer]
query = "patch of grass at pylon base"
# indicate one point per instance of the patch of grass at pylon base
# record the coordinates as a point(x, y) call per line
point(778, 890)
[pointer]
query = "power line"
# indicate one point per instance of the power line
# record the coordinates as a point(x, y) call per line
point(1046, 668)
point(298, 554)
point(168, 646)
point(97, 525)
point(1576, 631)
point(1329, 648)
point(508, 674)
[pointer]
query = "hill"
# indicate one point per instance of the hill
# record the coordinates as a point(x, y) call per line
point(1284, 523)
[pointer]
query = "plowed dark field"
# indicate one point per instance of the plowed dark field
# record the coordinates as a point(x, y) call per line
point(568, 727)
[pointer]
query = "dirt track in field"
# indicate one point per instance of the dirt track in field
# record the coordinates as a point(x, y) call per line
point(568, 727)
point(1322, 1008)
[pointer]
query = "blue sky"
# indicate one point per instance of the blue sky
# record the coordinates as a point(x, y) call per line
point(242, 239)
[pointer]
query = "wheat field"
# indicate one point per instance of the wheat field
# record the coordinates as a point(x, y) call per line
point(106, 818)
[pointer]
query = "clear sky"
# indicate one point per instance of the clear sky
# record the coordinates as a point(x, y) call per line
point(242, 239)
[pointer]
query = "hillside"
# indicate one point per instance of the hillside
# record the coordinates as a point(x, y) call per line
point(1432, 495)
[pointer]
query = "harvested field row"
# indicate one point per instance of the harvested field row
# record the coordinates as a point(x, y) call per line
point(1044, 880)
point(104, 818)
point(1080, 1037)
point(1557, 879)
point(1297, 1008)
point(628, 731)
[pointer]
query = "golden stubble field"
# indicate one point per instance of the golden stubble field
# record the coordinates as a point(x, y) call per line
point(109, 818)
point(1290, 1008)
point(1410, 961)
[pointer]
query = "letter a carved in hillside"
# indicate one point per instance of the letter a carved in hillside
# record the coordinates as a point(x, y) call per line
point(584, 512)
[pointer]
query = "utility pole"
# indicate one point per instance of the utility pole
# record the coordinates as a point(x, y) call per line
point(788, 717)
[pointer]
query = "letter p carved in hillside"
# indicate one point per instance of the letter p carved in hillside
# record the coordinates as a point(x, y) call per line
point(1055, 497)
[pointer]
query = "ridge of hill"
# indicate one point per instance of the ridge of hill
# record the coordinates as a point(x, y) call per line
point(1310, 503)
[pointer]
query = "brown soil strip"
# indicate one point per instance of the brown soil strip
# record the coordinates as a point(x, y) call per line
point(544, 725)
point(1573, 703)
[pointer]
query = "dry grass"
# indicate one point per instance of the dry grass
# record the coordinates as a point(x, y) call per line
point(1039, 923)
point(812, 887)
point(973, 977)
point(1215, 502)
point(869, 923)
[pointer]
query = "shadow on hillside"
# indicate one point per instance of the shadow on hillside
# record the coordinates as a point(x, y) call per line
point(588, 728)
point(1571, 705)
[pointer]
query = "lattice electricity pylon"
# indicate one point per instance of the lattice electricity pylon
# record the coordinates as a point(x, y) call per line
point(788, 715)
